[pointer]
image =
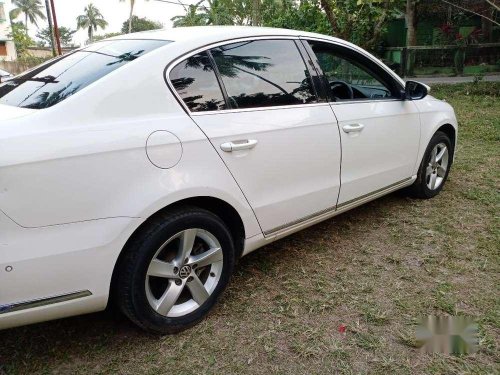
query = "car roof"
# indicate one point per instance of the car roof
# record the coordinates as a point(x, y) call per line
point(198, 36)
point(210, 34)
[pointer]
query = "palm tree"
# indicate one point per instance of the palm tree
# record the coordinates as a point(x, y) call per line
point(91, 20)
point(32, 10)
point(218, 13)
point(192, 16)
point(132, 4)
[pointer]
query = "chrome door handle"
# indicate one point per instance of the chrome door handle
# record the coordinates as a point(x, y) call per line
point(351, 128)
point(244, 144)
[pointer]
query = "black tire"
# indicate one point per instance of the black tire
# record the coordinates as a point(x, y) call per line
point(419, 189)
point(130, 291)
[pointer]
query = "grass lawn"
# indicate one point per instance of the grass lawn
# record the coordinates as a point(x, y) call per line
point(375, 269)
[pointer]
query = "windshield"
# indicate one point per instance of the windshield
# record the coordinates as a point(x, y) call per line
point(60, 78)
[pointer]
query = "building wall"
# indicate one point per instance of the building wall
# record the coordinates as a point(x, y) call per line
point(46, 52)
point(7, 47)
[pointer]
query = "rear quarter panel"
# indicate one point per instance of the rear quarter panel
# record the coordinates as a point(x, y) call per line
point(85, 158)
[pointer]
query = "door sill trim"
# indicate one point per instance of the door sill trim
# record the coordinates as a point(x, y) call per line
point(336, 210)
point(25, 305)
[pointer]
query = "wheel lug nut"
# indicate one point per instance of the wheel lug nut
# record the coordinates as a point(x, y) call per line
point(212, 274)
point(190, 278)
point(176, 270)
point(178, 282)
point(186, 260)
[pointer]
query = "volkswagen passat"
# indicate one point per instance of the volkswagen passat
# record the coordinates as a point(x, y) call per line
point(138, 169)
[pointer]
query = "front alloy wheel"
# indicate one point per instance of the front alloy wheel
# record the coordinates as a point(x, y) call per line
point(173, 271)
point(434, 167)
point(437, 166)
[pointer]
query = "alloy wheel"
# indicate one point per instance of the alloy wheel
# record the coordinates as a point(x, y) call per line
point(184, 272)
point(437, 166)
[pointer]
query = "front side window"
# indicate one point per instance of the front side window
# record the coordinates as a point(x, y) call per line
point(63, 77)
point(263, 73)
point(349, 75)
point(196, 83)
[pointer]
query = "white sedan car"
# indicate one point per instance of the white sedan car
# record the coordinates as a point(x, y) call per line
point(137, 170)
point(4, 75)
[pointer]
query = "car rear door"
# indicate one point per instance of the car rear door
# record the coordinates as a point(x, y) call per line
point(255, 102)
point(380, 132)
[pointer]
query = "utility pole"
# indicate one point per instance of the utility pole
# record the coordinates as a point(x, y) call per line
point(51, 29)
point(56, 28)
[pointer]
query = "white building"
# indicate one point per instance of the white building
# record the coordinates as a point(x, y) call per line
point(7, 47)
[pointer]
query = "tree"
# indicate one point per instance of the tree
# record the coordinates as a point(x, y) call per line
point(192, 17)
point(21, 38)
point(65, 34)
point(91, 20)
point(130, 18)
point(32, 10)
point(305, 15)
point(140, 24)
point(218, 12)
point(483, 9)
point(105, 36)
point(360, 21)
point(411, 35)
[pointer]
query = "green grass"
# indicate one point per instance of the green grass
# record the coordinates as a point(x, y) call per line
point(381, 267)
point(450, 71)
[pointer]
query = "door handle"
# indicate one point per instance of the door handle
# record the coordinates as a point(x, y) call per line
point(244, 144)
point(351, 128)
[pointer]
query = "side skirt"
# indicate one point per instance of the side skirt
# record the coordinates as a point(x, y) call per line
point(289, 228)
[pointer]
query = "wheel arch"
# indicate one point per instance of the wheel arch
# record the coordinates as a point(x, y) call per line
point(226, 212)
point(451, 132)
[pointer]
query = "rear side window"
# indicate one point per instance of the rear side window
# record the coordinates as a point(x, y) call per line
point(61, 78)
point(196, 83)
point(263, 73)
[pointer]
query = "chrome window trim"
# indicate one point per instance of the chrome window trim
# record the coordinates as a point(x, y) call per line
point(257, 109)
point(354, 101)
point(31, 304)
point(207, 47)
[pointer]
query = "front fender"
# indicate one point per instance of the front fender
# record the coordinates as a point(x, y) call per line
point(434, 114)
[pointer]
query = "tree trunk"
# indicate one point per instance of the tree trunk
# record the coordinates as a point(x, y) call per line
point(411, 36)
point(51, 27)
point(329, 15)
point(26, 23)
point(255, 12)
point(487, 27)
point(91, 34)
point(377, 28)
point(132, 3)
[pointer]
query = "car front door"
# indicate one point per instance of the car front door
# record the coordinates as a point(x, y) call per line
point(255, 102)
point(380, 132)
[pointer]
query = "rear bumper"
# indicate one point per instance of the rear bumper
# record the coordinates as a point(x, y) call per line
point(57, 271)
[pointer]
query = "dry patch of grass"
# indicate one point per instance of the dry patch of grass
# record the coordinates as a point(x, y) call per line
point(374, 270)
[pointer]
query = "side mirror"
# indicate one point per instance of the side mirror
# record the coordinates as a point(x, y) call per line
point(415, 90)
